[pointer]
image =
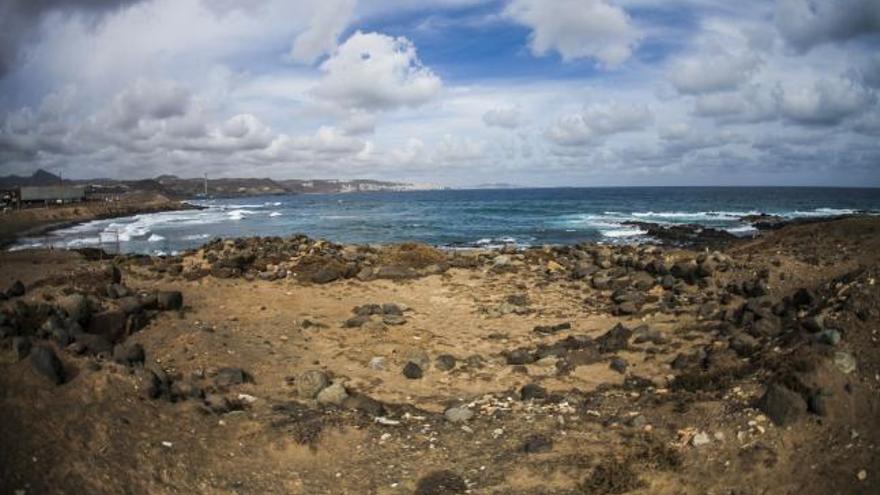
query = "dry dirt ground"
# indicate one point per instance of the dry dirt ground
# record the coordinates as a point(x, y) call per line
point(653, 427)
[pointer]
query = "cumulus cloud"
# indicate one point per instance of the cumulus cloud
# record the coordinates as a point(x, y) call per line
point(807, 23)
point(576, 29)
point(359, 122)
point(373, 71)
point(598, 121)
point(507, 118)
point(149, 100)
point(715, 69)
point(326, 143)
point(826, 102)
point(329, 19)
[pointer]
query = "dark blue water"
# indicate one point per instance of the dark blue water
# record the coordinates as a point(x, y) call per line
point(463, 218)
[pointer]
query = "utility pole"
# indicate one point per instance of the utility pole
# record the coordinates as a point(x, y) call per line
point(206, 184)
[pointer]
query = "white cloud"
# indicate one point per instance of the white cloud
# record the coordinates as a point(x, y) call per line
point(146, 100)
point(598, 121)
point(714, 68)
point(807, 23)
point(827, 101)
point(359, 122)
point(328, 20)
point(506, 117)
point(577, 29)
point(373, 71)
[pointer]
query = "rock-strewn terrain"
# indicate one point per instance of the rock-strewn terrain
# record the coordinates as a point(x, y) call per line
point(290, 365)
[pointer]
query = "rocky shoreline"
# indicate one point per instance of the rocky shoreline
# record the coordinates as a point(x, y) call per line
point(267, 365)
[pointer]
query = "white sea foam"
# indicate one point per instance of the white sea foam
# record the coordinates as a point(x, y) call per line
point(195, 237)
point(275, 214)
point(155, 238)
point(623, 232)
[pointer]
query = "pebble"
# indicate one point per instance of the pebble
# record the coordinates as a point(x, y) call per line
point(412, 371)
point(862, 475)
point(378, 363)
point(700, 439)
point(458, 414)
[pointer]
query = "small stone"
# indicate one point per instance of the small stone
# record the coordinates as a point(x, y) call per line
point(845, 362)
point(619, 365)
point(700, 439)
point(412, 371)
point(520, 356)
point(532, 391)
point(356, 321)
point(445, 362)
point(829, 337)
point(394, 320)
point(227, 377)
point(441, 483)
point(537, 443)
point(638, 421)
point(310, 383)
point(862, 475)
point(378, 363)
point(458, 414)
point(392, 309)
point(335, 394)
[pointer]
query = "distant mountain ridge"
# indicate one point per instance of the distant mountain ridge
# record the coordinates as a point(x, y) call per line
point(173, 186)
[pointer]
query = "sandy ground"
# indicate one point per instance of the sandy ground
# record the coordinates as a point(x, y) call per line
point(597, 430)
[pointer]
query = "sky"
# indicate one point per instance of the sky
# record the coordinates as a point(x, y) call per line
point(449, 92)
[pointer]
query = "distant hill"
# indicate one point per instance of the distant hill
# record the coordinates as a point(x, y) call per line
point(328, 186)
point(173, 186)
point(39, 178)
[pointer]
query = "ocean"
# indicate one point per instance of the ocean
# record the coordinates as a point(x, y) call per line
point(459, 218)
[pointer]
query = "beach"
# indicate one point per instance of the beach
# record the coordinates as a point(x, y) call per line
point(37, 221)
point(294, 365)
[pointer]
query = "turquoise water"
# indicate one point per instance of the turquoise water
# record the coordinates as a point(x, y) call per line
point(461, 218)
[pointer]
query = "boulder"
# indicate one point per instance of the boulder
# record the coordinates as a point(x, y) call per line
point(46, 363)
point(310, 383)
point(76, 306)
point(781, 405)
point(614, 340)
point(129, 305)
point(94, 344)
point(15, 290)
point(532, 391)
point(114, 273)
point(129, 354)
point(109, 324)
point(169, 300)
point(520, 356)
point(335, 394)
